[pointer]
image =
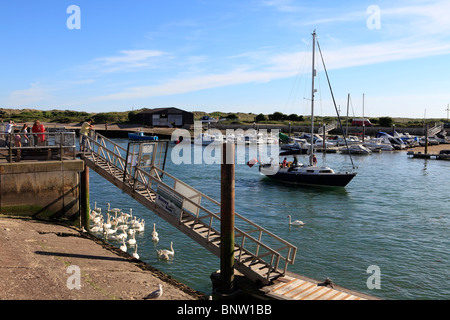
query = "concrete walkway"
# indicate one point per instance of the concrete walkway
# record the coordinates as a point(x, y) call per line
point(42, 261)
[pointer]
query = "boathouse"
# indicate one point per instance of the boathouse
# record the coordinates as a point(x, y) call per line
point(166, 117)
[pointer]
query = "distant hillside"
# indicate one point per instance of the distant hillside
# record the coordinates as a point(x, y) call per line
point(66, 116)
point(69, 116)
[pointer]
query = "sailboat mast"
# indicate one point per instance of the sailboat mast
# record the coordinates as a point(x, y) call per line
point(312, 98)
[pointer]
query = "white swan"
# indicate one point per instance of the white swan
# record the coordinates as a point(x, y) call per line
point(96, 229)
point(154, 233)
point(115, 210)
point(296, 222)
point(122, 235)
point(155, 238)
point(170, 252)
point(141, 226)
point(155, 294)
point(131, 231)
point(132, 241)
point(135, 254)
point(123, 247)
point(162, 255)
point(108, 221)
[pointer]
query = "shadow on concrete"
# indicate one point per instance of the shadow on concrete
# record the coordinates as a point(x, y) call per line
point(82, 256)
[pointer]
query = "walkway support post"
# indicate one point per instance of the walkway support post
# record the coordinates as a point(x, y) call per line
point(84, 201)
point(227, 194)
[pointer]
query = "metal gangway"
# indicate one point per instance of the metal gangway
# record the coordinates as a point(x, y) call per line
point(328, 128)
point(435, 130)
point(138, 170)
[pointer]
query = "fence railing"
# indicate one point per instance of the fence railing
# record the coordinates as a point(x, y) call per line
point(53, 144)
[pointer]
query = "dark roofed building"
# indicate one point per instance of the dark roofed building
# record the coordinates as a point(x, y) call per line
point(166, 117)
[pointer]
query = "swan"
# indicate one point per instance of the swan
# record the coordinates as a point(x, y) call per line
point(141, 226)
point(155, 238)
point(135, 254)
point(155, 294)
point(170, 252)
point(123, 247)
point(123, 227)
point(162, 255)
point(154, 233)
point(296, 222)
point(108, 221)
point(115, 210)
point(132, 241)
point(131, 232)
point(96, 229)
point(122, 235)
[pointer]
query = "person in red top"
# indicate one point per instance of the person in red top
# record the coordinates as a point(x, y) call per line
point(39, 139)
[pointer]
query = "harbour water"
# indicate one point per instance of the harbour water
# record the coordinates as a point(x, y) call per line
point(393, 215)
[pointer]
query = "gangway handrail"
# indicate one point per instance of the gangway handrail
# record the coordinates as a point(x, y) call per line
point(116, 161)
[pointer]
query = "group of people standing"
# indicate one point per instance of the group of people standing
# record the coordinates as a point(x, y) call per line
point(37, 137)
point(21, 136)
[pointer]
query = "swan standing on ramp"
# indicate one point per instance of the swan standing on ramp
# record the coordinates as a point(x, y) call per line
point(296, 222)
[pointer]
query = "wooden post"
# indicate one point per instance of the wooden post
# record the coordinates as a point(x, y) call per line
point(426, 138)
point(227, 219)
point(84, 205)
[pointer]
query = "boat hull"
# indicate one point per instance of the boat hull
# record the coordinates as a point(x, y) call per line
point(319, 179)
point(134, 136)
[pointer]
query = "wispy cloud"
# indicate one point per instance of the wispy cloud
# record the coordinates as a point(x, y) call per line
point(35, 94)
point(128, 60)
point(200, 82)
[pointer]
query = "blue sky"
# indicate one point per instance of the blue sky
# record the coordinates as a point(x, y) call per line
point(231, 56)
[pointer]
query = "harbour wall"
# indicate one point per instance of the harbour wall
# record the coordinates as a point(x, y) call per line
point(42, 189)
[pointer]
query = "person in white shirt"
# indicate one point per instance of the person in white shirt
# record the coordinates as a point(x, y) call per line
point(9, 129)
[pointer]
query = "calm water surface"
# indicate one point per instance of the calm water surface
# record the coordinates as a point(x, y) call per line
point(394, 214)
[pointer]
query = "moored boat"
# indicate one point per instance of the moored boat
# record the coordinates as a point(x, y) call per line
point(139, 135)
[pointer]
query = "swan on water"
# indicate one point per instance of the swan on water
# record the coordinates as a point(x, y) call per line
point(154, 233)
point(141, 226)
point(122, 235)
point(155, 238)
point(162, 255)
point(170, 252)
point(296, 222)
point(132, 241)
point(123, 247)
point(155, 294)
point(135, 254)
point(115, 210)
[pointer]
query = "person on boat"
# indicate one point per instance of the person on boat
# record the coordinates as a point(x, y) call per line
point(293, 164)
point(314, 160)
point(84, 132)
point(284, 164)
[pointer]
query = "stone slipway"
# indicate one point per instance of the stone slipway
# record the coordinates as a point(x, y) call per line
point(35, 257)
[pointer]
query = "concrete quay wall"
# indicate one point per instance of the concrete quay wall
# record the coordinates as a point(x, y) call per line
point(41, 189)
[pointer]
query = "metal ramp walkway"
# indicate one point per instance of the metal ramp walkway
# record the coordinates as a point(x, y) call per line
point(328, 128)
point(260, 255)
point(435, 130)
